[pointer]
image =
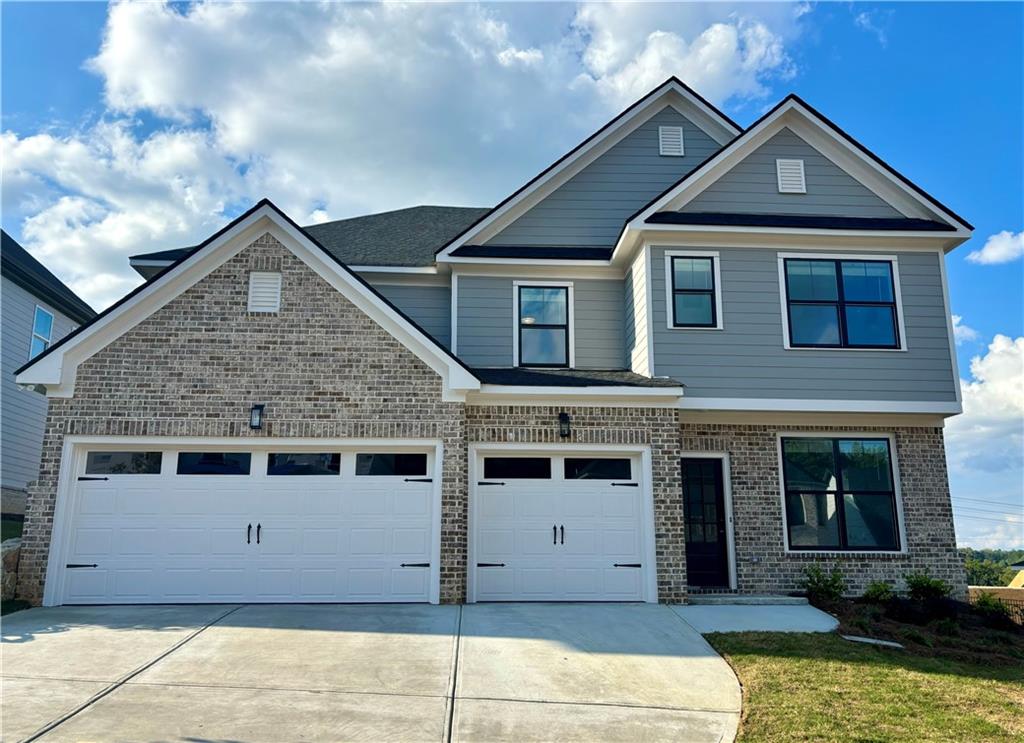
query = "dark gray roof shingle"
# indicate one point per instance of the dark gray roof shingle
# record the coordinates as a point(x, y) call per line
point(19, 266)
point(518, 377)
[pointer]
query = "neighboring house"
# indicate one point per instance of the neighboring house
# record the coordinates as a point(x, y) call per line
point(37, 311)
point(1018, 579)
point(686, 357)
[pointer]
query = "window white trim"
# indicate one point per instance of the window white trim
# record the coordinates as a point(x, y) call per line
point(789, 174)
point(454, 341)
point(670, 309)
point(896, 486)
point(570, 318)
point(730, 535)
point(671, 142)
point(33, 334)
point(898, 296)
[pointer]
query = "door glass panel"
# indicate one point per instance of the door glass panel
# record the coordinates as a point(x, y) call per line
point(214, 463)
point(870, 521)
point(813, 520)
point(513, 468)
point(597, 469)
point(391, 464)
point(303, 463)
point(814, 324)
point(123, 463)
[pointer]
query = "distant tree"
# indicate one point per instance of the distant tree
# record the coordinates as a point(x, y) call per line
point(987, 572)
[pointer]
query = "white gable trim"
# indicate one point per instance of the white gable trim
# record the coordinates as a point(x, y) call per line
point(670, 93)
point(56, 371)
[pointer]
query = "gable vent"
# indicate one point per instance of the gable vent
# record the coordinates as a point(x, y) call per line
point(791, 176)
point(264, 292)
point(670, 141)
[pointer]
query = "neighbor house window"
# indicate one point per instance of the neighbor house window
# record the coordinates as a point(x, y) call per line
point(694, 301)
point(841, 304)
point(839, 494)
point(544, 326)
point(42, 332)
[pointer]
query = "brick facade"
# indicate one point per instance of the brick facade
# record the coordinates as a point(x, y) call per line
point(326, 370)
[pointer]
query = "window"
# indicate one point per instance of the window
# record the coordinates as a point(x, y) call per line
point(42, 332)
point(301, 463)
point(597, 469)
point(401, 465)
point(123, 463)
point(214, 463)
point(517, 468)
point(839, 494)
point(264, 291)
point(693, 291)
point(670, 141)
point(841, 303)
point(790, 175)
point(544, 326)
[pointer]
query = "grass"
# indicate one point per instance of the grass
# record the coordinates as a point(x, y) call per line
point(799, 687)
point(10, 528)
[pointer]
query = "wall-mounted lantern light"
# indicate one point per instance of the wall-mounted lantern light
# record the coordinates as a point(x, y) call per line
point(563, 425)
point(256, 417)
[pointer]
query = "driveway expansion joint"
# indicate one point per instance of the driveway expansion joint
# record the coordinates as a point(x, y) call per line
point(623, 705)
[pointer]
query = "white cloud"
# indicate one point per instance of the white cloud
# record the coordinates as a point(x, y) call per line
point(963, 333)
point(334, 109)
point(875, 23)
point(1002, 247)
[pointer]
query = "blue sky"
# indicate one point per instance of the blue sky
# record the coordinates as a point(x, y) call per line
point(142, 129)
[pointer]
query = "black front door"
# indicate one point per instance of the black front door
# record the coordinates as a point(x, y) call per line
point(707, 562)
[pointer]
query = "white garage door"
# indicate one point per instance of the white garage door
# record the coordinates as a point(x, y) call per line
point(221, 526)
point(558, 528)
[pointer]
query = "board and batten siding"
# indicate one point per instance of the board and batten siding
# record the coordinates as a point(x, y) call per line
point(747, 358)
point(751, 186)
point(590, 208)
point(429, 307)
point(24, 412)
point(636, 311)
point(486, 322)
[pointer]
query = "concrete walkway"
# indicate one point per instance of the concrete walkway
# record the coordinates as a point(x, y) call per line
point(498, 672)
point(756, 618)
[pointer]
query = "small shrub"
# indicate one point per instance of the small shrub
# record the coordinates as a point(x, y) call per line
point(922, 587)
point(916, 637)
point(993, 611)
point(822, 587)
point(948, 627)
point(879, 592)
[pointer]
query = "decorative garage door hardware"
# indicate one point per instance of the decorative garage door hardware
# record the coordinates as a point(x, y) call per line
point(490, 483)
point(419, 479)
point(415, 564)
point(628, 565)
point(625, 484)
point(555, 531)
point(490, 564)
point(248, 533)
point(81, 565)
point(92, 478)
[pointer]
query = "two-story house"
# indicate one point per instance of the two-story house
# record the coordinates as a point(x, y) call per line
point(37, 311)
point(688, 356)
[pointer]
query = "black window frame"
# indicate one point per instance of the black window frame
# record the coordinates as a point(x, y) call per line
point(573, 469)
point(841, 303)
point(152, 458)
point(333, 468)
point(243, 456)
point(712, 292)
point(402, 464)
point(501, 470)
point(543, 326)
point(839, 494)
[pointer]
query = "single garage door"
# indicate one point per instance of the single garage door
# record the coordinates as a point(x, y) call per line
point(558, 528)
point(156, 526)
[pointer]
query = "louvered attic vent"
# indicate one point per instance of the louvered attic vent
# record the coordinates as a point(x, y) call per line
point(791, 176)
point(670, 141)
point(264, 292)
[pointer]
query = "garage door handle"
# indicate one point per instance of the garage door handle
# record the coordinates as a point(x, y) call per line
point(563, 534)
point(490, 483)
point(248, 535)
point(81, 565)
point(92, 478)
point(258, 527)
point(625, 484)
point(554, 535)
point(419, 479)
point(415, 564)
point(628, 565)
point(490, 564)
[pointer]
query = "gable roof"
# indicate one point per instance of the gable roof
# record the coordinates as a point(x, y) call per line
point(810, 221)
point(48, 368)
point(562, 169)
point(402, 237)
point(18, 265)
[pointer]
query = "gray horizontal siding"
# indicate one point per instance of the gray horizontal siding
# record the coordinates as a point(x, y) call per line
point(486, 323)
point(589, 209)
point(751, 187)
point(747, 358)
point(23, 413)
point(429, 307)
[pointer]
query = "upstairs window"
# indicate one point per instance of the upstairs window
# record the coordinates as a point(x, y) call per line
point(543, 326)
point(841, 304)
point(42, 332)
point(693, 290)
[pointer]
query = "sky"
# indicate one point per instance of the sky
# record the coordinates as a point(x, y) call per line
point(138, 127)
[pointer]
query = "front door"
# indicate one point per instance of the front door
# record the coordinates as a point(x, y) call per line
point(707, 562)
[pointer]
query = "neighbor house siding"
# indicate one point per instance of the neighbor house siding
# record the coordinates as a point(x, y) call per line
point(486, 321)
point(590, 208)
point(751, 187)
point(24, 413)
point(429, 307)
point(747, 359)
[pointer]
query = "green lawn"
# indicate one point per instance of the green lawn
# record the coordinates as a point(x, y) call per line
point(799, 687)
point(9, 528)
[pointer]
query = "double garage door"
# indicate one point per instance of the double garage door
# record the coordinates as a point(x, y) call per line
point(254, 525)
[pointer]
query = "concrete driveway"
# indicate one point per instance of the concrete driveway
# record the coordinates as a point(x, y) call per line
point(497, 672)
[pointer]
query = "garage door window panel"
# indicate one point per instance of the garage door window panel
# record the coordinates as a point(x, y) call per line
point(123, 463)
point(303, 463)
point(597, 469)
point(391, 465)
point(214, 463)
point(517, 468)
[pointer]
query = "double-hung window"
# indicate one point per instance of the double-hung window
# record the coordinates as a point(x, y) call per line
point(834, 303)
point(42, 332)
point(839, 494)
point(543, 326)
point(694, 290)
